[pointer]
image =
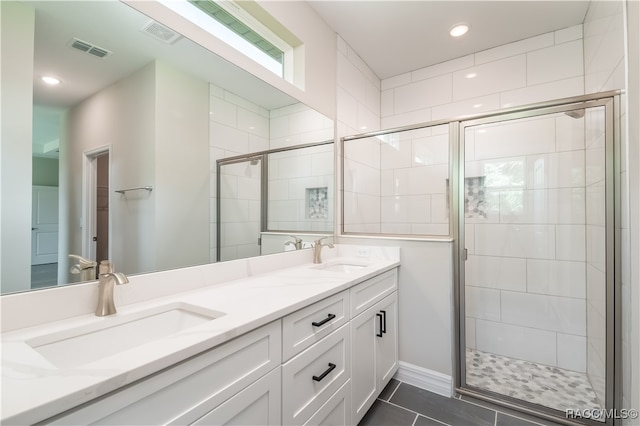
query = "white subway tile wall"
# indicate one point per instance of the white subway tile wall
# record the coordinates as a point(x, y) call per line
point(238, 127)
point(543, 190)
point(604, 58)
point(407, 172)
point(293, 176)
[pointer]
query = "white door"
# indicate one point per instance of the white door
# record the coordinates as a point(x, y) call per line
point(44, 225)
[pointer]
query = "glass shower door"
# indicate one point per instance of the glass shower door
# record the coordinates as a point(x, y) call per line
point(239, 208)
point(535, 278)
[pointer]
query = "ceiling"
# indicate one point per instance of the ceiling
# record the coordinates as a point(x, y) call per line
point(394, 37)
point(115, 27)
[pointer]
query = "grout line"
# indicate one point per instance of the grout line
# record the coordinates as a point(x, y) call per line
point(415, 420)
point(501, 412)
point(418, 414)
point(394, 391)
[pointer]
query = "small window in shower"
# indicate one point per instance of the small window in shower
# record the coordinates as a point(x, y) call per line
point(317, 203)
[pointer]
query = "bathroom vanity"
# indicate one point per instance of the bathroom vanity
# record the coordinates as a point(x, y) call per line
point(283, 341)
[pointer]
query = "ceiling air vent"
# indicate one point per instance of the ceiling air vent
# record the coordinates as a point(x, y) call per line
point(89, 48)
point(160, 32)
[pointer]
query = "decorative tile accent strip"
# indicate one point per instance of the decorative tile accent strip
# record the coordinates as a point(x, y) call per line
point(536, 383)
point(317, 203)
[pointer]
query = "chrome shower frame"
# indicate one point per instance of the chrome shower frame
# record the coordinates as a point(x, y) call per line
point(571, 105)
point(611, 102)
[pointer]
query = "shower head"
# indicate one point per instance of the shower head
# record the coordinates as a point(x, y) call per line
point(254, 161)
point(577, 113)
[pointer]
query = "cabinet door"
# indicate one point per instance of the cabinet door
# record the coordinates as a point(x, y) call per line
point(258, 404)
point(364, 328)
point(387, 345)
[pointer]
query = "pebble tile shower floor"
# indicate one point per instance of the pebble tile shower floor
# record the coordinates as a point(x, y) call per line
point(540, 384)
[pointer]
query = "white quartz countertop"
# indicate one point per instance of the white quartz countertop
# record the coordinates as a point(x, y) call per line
point(34, 389)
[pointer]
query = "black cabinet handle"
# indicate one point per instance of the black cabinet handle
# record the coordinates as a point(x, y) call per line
point(323, 375)
point(384, 322)
point(379, 334)
point(324, 321)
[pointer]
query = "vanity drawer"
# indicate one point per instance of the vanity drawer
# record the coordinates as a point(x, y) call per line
point(185, 392)
point(309, 325)
point(366, 294)
point(336, 411)
point(313, 376)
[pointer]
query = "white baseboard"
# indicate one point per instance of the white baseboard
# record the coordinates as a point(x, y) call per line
point(423, 378)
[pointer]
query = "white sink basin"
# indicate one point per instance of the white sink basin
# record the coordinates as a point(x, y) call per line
point(341, 267)
point(110, 335)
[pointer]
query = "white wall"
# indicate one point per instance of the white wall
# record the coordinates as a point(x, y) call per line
point(425, 280)
point(293, 173)
point(525, 275)
point(237, 127)
point(182, 169)
point(544, 67)
point(155, 122)
point(631, 334)
point(540, 68)
point(17, 32)
point(318, 67)
point(122, 117)
point(604, 64)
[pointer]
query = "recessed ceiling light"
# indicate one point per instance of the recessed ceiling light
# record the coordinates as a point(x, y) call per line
point(471, 75)
point(51, 81)
point(477, 105)
point(459, 30)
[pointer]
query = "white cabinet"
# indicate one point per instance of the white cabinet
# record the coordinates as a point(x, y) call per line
point(323, 364)
point(336, 411)
point(309, 325)
point(313, 376)
point(259, 404)
point(374, 334)
point(185, 392)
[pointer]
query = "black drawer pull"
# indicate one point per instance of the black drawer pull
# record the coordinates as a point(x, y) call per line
point(323, 375)
point(324, 321)
point(379, 334)
point(384, 322)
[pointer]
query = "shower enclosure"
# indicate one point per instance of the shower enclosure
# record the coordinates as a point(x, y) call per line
point(527, 196)
point(536, 245)
point(262, 198)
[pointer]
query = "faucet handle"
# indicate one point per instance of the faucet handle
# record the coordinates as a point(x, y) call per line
point(83, 263)
point(319, 241)
point(106, 267)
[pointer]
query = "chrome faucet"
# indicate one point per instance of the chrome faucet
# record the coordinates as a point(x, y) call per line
point(317, 249)
point(86, 268)
point(107, 279)
point(297, 243)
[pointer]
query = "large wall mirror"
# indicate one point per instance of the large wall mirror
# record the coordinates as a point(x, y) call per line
point(125, 146)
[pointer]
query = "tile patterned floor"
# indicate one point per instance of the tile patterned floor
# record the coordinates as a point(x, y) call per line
point(401, 404)
point(540, 384)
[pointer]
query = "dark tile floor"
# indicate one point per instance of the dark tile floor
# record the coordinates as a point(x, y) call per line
point(401, 404)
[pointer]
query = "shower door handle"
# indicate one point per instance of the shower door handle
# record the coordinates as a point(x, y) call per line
point(465, 255)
